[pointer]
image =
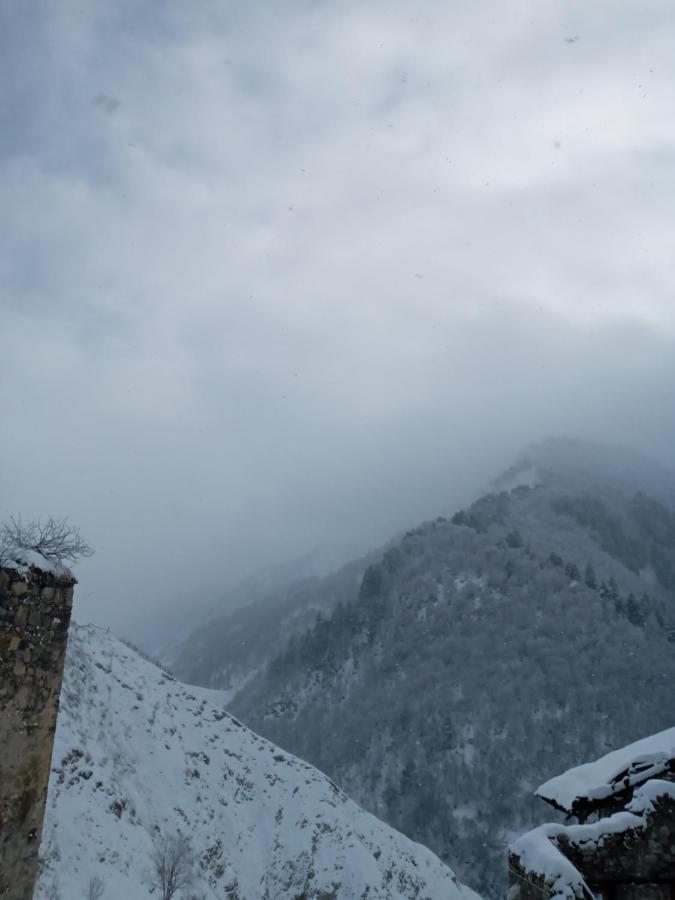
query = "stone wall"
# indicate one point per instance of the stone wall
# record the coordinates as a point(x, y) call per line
point(635, 862)
point(644, 854)
point(35, 609)
point(526, 885)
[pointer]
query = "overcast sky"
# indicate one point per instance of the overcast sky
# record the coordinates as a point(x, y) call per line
point(288, 274)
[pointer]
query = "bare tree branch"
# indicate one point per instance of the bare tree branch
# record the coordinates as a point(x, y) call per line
point(55, 539)
point(172, 863)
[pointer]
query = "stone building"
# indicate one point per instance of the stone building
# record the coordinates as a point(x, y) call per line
point(35, 605)
point(624, 845)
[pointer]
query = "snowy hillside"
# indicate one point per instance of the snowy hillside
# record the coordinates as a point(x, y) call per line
point(139, 756)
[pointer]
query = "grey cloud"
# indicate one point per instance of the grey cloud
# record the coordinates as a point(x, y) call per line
point(324, 269)
point(106, 104)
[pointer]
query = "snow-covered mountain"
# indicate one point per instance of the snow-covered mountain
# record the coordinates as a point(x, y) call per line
point(531, 630)
point(184, 635)
point(255, 621)
point(230, 646)
point(139, 757)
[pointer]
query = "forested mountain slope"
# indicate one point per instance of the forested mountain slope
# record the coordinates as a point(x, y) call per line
point(167, 633)
point(230, 646)
point(139, 758)
point(482, 654)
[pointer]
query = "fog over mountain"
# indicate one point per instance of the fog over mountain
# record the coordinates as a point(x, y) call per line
point(476, 656)
point(283, 276)
point(242, 631)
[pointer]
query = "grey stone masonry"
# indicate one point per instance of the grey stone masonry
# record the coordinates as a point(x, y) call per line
point(645, 855)
point(35, 608)
point(527, 885)
point(636, 861)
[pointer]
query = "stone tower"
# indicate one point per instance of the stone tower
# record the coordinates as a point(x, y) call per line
point(35, 607)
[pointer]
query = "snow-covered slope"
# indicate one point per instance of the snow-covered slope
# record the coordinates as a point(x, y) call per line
point(139, 756)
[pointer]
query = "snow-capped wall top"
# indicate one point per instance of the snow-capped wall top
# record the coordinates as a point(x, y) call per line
point(23, 559)
point(618, 770)
point(138, 755)
point(539, 853)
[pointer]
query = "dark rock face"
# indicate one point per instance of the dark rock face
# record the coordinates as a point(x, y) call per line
point(645, 854)
point(35, 608)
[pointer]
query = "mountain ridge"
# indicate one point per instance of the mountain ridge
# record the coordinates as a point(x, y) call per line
point(534, 627)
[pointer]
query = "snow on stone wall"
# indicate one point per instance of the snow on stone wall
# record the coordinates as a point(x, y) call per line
point(631, 849)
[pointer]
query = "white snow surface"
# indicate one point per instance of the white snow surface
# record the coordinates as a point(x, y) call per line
point(538, 853)
point(635, 763)
point(138, 754)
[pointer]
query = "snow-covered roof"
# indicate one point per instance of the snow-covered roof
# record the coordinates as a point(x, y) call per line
point(615, 772)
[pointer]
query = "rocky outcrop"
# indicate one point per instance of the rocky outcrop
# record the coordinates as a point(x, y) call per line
point(35, 607)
